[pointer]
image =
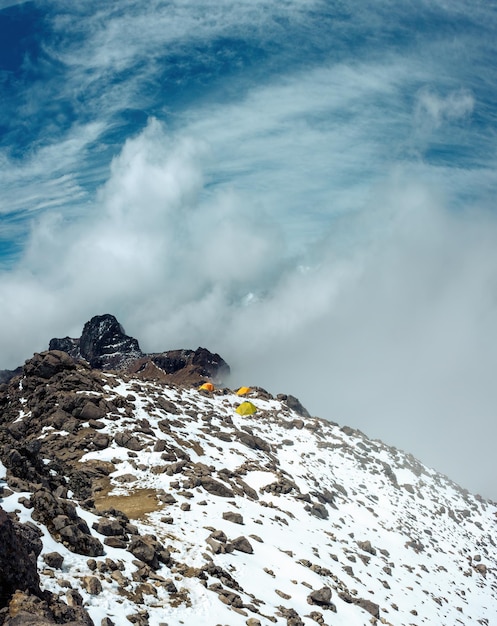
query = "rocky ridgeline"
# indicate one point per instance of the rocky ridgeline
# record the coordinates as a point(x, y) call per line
point(104, 345)
point(131, 498)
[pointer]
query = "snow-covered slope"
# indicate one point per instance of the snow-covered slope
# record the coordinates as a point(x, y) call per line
point(243, 520)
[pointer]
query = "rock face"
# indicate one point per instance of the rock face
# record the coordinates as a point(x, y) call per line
point(191, 366)
point(105, 346)
point(22, 603)
point(103, 343)
point(19, 550)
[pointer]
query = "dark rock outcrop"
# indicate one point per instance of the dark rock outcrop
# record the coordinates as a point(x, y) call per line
point(20, 546)
point(47, 364)
point(103, 343)
point(183, 366)
point(105, 346)
point(293, 403)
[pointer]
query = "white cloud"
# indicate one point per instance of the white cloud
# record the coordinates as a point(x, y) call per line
point(4, 4)
point(433, 109)
point(404, 350)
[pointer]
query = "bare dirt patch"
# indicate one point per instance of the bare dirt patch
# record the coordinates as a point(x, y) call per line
point(135, 504)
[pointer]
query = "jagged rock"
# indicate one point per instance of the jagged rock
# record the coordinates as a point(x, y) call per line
point(103, 343)
point(217, 547)
point(115, 542)
point(191, 366)
point(481, 568)
point(291, 615)
point(317, 617)
point(218, 542)
point(293, 403)
point(91, 411)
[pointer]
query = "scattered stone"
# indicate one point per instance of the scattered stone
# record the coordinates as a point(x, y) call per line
point(109, 527)
point(140, 618)
point(215, 487)
point(115, 542)
point(242, 544)
point(53, 559)
point(367, 547)
point(147, 549)
point(231, 516)
point(318, 510)
point(127, 440)
point(322, 597)
point(92, 585)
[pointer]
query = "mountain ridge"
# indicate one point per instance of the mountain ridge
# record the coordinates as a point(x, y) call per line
point(147, 501)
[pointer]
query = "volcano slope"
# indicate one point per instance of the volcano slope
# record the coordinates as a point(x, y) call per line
point(146, 502)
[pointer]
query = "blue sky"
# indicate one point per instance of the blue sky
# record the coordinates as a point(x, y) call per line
point(306, 187)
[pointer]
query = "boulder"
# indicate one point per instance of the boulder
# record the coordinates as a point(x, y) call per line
point(146, 548)
point(53, 559)
point(242, 544)
point(20, 546)
point(231, 516)
point(215, 487)
point(322, 598)
point(46, 364)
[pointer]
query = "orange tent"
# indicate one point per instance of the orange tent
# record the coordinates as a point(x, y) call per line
point(207, 387)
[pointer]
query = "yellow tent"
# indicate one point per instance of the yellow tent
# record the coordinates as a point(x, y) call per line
point(246, 408)
point(243, 391)
point(207, 387)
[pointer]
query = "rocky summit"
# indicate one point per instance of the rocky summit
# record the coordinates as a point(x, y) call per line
point(130, 496)
point(105, 345)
